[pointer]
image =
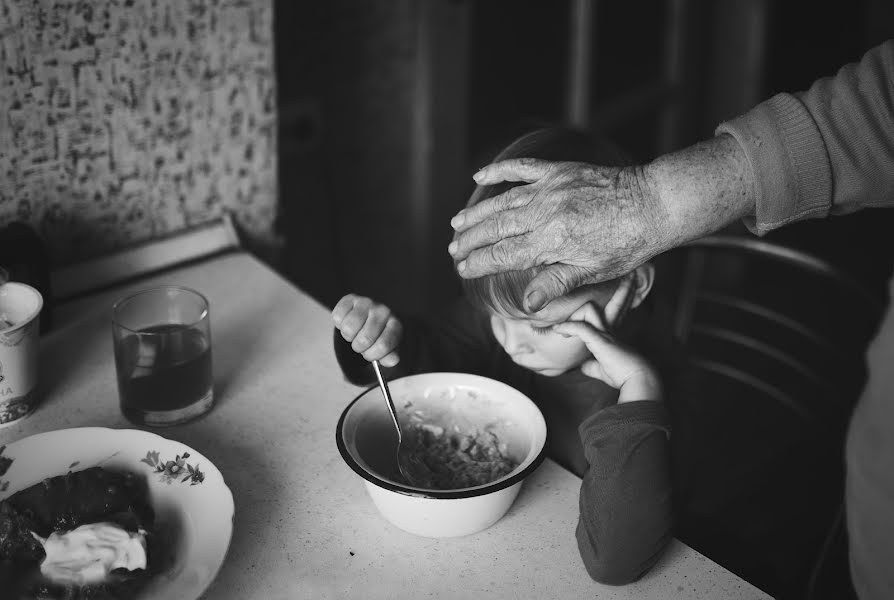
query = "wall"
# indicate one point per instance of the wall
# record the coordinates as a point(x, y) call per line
point(372, 101)
point(123, 120)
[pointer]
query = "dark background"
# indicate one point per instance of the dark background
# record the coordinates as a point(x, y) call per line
point(387, 108)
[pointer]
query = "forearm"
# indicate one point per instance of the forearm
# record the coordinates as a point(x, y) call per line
point(625, 499)
point(701, 189)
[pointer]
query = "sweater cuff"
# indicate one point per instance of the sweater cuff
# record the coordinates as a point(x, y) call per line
point(788, 160)
point(619, 417)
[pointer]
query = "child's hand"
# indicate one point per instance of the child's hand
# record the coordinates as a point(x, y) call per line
point(370, 328)
point(616, 365)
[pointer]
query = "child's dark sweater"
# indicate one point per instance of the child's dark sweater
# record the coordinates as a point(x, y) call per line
point(620, 450)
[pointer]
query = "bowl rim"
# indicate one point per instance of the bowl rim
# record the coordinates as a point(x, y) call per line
point(407, 490)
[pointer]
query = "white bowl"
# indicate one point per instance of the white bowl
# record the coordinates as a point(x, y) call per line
point(201, 507)
point(367, 441)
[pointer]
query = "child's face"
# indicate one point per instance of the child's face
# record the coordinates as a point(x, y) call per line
point(532, 344)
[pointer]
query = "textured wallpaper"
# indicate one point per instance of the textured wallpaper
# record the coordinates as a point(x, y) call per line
point(122, 120)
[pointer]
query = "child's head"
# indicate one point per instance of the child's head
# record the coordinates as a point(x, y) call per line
point(528, 338)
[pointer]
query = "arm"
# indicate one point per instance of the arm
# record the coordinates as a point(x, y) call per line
point(626, 515)
point(588, 223)
point(625, 497)
point(828, 150)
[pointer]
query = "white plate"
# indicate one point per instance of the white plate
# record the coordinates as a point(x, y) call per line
point(191, 494)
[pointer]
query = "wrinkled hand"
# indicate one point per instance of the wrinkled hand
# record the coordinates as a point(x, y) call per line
point(587, 223)
point(613, 363)
point(370, 328)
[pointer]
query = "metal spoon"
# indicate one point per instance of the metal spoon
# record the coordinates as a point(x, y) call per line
point(409, 463)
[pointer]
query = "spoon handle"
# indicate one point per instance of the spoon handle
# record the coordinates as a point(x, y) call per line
point(383, 385)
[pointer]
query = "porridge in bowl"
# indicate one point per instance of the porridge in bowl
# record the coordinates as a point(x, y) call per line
point(457, 458)
point(480, 438)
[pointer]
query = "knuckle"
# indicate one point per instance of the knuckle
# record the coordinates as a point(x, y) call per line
point(378, 350)
point(507, 199)
point(493, 229)
point(499, 253)
point(380, 312)
point(556, 278)
point(342, 304)
point(351, 325)
point(388, 341)
point(395, 329)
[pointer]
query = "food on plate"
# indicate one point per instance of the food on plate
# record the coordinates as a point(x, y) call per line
point(458, 459)
point(87, 534)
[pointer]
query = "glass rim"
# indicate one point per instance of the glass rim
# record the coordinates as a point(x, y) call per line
point(118, 303)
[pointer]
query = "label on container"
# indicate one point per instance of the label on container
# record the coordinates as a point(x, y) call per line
point(18, 371)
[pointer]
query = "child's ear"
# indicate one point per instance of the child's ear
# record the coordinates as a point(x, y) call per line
point(643, 278)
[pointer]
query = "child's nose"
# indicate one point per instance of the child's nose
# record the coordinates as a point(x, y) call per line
point(516, 342)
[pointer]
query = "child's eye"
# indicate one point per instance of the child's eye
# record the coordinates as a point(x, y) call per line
point(541, 330)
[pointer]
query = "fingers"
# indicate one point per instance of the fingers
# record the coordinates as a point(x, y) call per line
point(384, 349)
point(593, 368)
point(511, 254)
point(596, 340)
point(349, 315)
point(588, 313)
point(489, 207)
point(389, 360)
point(554, 281)
point(503, 220)
point(620, 302)
point(516, 169)
point(342, 308)
point(508, 223)
point(370, 328)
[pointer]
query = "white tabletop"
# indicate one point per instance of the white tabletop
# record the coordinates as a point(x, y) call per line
point(304, 525)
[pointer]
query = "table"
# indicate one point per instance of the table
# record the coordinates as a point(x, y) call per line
point(304, 525)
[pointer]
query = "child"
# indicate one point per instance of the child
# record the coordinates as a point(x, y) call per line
point(602, 402)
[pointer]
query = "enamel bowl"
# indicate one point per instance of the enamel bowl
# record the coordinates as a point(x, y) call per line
point(367, 441)
point(186, 491)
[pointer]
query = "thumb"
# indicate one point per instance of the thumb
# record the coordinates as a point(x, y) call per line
point(552, 282)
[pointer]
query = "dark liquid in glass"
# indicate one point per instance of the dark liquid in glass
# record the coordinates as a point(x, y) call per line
point(167, 372)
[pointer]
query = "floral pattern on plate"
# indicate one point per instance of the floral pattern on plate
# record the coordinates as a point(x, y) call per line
point(172, 470)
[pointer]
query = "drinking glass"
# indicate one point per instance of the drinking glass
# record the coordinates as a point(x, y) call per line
point(162, 341)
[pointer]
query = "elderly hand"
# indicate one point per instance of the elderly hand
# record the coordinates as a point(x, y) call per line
point(588, 224)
